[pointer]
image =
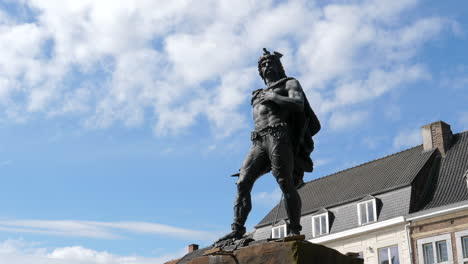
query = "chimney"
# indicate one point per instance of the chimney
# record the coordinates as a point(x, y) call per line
point(437, 135)
point(192, 248)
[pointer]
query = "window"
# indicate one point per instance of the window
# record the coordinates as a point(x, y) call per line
point(435, 250)
point(428, 252)
point(441, 251)
point(278, 231)
point(464, 241)
point(320, 224)
point(389, 255)
point(461, 239)
point(367, 212)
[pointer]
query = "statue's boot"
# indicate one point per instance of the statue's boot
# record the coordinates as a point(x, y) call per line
point(294, 230)
point(237, 233)
point(293, 233)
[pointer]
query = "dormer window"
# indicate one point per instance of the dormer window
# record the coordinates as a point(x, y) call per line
point(367, 211)
point(320, 224)
point(278, 231)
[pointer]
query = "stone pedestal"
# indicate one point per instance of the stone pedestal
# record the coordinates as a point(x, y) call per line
point(297, 252)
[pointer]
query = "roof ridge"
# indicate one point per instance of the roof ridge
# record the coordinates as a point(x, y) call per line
point(362, 164)
point(377, 159)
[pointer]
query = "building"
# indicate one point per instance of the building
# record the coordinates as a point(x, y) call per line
point(389, 209)
point(439, 228)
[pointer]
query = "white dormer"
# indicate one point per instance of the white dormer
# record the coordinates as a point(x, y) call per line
point(321, 223)
point(367, 210)
point(279, 230)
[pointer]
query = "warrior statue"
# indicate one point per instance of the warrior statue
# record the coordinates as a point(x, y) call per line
point(281, 143)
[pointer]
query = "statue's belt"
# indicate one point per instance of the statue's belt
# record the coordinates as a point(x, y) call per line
point(268, 130)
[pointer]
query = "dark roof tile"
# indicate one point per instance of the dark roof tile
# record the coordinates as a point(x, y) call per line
point(381, 175)
point(451, 186)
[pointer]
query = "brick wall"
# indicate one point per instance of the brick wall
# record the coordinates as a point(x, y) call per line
point(446, 224)
point(437, 135)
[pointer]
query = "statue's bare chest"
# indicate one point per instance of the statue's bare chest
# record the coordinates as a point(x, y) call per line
point(266, 108)
point(257, 94)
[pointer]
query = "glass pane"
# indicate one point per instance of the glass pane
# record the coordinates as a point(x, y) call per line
point(465, 246)
point(370, 211)
point(394, 255)
point(383, 256)
point(317, 225)
point(275, 232)
point(281, 232)
point(441, 251)
point(428, 253)
point(362, 210)
point(323, 222)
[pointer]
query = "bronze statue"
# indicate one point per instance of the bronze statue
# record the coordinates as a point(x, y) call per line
point(281, 143)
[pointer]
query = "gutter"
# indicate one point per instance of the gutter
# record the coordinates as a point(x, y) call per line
point(390, 222)
point(439, 212)
point(359, 230)
point(410, 245)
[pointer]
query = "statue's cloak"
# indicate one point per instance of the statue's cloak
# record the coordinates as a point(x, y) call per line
point(303, 125)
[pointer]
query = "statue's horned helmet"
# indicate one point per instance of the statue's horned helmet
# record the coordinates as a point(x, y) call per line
point(274, 57)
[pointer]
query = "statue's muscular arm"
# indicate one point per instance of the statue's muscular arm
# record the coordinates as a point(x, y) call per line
point(294, 101)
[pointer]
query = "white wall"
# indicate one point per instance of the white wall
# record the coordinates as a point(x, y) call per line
point(370, 242)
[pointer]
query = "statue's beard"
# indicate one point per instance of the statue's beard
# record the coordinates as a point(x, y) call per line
point(271, 75)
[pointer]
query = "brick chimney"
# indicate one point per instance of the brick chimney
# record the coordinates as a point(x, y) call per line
point(192, 248)
point(437, 135)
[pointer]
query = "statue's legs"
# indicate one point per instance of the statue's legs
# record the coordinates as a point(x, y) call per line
point(255, 164)
point(282, 166)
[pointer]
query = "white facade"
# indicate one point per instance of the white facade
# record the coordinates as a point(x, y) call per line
point(369, 242)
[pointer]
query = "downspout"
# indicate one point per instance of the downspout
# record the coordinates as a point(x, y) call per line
point(410, 245)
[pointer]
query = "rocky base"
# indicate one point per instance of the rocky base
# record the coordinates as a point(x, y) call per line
point(297, 252)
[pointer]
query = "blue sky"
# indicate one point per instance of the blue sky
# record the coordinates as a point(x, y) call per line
point(120, 122)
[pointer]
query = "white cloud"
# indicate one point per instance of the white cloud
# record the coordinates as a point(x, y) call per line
point(456, 79)
point(321, 162)
point(375, 85)
point(104, 230)
point(21, 252)
point(407, 138)
point(267, 199)
point(347, 120)
point(372, 142)
point(145, 60)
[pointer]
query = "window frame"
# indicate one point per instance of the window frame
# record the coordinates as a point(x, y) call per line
point(374, 208)
point(278, 227)
point(458, 242)
point(433, 241)
point(327, 223)
point(388, 253)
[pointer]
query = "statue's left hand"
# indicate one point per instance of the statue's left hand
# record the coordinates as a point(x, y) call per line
point(268, 96)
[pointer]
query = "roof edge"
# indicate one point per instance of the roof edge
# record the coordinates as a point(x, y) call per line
point(362, 164)
point(441, 210)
